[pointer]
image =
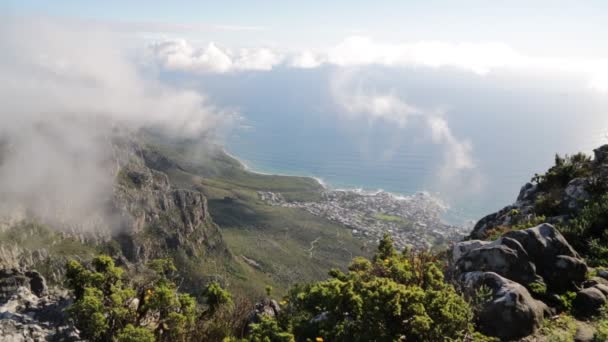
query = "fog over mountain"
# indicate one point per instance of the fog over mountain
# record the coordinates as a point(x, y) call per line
point(65, 90)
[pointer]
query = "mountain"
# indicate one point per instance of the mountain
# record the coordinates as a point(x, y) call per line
point(533, 271)
point(191, 202)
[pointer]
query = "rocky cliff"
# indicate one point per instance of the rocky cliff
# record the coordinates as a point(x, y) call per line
point(144, 217)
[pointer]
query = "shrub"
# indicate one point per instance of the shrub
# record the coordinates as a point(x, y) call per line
point(395, 296)
point(587, 231)
point(565, 169)
point(106, 308)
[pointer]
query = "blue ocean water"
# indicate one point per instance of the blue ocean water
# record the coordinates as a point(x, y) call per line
point(292, 125)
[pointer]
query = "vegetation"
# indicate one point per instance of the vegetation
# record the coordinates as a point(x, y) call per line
point(559, 329)
point(106, 308)
point(394, 296)
point(588, 232)
point(552, 183)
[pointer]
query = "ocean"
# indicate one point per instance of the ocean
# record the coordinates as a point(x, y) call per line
point(291, 125)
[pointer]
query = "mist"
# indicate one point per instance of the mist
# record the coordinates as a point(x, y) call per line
point(66, 88)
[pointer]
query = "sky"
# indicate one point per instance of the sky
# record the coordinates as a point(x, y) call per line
point(164, 63)
point(562, 27)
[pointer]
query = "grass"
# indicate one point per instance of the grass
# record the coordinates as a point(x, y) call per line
point(389, 218)
point(289, 244)
point(559, 329)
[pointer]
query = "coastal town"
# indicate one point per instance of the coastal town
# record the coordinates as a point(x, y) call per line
point(413, 221)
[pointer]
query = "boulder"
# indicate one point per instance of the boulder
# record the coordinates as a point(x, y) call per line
point(267, 307)
point(589, 301)
point(504, 256)
point(511, 312)
point(26, 315)
point(575, 193)
point(555, 260)
point(539, 254)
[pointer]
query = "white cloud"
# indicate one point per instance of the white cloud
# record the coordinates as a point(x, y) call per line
point(478, 58)
point(458, 171)
point(256, 59)
point(63, 91)
point(306, 60)
point(359, 102)
point(180, 55)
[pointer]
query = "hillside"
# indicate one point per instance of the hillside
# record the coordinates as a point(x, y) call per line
point(192, 219)
point(198, 206)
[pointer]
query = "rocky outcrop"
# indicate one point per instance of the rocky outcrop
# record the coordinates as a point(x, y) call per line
point(556, 262)
point(539, 254)
point(511, 312)
point(533, 258)
point(570, 199)
point(29, 311)
point(156, 218)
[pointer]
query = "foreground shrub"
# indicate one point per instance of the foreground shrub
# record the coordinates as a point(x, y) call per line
point(106, 308)
point(396, 296)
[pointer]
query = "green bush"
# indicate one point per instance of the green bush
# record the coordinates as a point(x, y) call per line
point(588, 232)
point(106, 308)
point(395, 296)
point(565, 169)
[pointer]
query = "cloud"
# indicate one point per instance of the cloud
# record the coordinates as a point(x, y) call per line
point(458, 170)
point(358, 101)
point(360, 51)
point(306, 60)
point(64, 91)
point(180, 55)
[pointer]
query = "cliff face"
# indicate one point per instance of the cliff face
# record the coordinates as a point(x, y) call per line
point(145, 216)
point(156, 218)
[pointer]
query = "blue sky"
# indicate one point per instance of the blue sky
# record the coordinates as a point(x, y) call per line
point(566, 28)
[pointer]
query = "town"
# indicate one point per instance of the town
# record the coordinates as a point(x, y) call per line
point(413, 221)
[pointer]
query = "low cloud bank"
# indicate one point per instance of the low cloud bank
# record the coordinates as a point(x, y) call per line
point(478, 58)
point(63, 90)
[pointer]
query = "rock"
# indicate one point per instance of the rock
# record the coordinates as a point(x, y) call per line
point(555, 260)
point(584, 332)
point(511, 313)
point(601, 154)
point(29, 311)
point(538, 254)
point(461, 248)
point(504, 256)
point(602, 274)
point(37, 283)
point(527, 192)
point(575, 193)
point(267, 307)
point(588, 302)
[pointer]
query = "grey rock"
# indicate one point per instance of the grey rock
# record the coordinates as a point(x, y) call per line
point(584, 333)
point(504, 256)
point(602, 274)
point(556, 261)
point(588, 301)
point(575, 193)
point(511, 313)
point(538, 254)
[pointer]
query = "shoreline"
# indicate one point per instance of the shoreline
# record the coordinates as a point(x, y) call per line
point(448, 211)
point(450, 215)
point(247, 168)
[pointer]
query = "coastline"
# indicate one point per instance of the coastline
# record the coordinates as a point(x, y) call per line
point(448, 212)
point(247, 168)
